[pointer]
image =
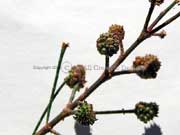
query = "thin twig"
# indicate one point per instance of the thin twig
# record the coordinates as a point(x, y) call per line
point(73, 93)
point(161, 34)
point(167, 22)
point(161, 15)
point(63, 49)
point(115, 112)
point(54, 132)
point(121, 48)
point(151, 9)
point(107, 64)
point(45, 110)
point(128, 71)
point(122, 111)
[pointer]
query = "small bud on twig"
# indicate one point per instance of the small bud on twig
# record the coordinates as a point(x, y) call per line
point(162, 34)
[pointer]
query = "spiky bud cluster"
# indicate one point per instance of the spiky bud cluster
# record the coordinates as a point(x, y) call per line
point(85, 114)
point(157, 2)
point(150, 64)
point(117, 31)
point(107, 44)
point(76, 76)
point(146, 111)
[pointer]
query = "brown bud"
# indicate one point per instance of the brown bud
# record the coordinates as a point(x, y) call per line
point(76, 76)
point(150, 64)
point(117, 31)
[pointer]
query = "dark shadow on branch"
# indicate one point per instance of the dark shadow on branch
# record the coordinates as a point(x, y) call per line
point(154, 129)
point(82, 130)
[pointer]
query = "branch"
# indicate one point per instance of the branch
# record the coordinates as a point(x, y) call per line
point(107, 64)
point(121, 48)
point(115, 112)
point(139, 40)
point(67, 110)
point(122, 111)
point(161, 15)
point(129, 71)
point(161, 34)
point(151, 9)
point(45, 110)
point(74, 90)
point(54, 132)
point(166, 22)
point(63, 49)
point(91, 89)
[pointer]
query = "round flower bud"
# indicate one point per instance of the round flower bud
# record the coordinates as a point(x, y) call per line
point(76, 76)
point(157, 2)
point(146, 111)
point(85, 114)
point(107, 44)
point(117, 31)
point(162, 34)
point(150, 64)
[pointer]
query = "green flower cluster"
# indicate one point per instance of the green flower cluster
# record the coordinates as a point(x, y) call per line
point(85, 114)
point(108, 43)
point(146, 111)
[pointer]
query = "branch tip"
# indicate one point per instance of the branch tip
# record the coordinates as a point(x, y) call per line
point(65, 45)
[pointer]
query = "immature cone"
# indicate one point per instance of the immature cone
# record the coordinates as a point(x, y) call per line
point(117, 31)
point(76, 76)
point(158, 2)
point(146, 111)
point(150, 64)
point(107, 44)
point(85, 114)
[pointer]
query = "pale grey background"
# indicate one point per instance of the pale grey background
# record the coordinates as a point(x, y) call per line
point(31, 32)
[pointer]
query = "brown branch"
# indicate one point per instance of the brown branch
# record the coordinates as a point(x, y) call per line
point(161, 15)
point(139, 40)
point(54, 132)
point(115, 112)
point(129, 71)
point(161, 34)
point(121, 48)
point(167, 22)
point(68, 109)
point(91, 89)
point(107, 64)
point(151, 9)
